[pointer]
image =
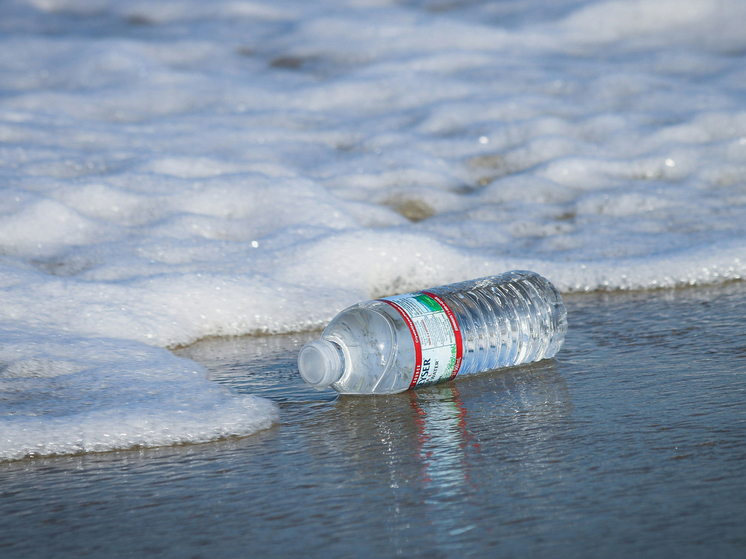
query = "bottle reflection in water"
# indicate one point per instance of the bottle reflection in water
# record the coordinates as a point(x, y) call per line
point(443, 446)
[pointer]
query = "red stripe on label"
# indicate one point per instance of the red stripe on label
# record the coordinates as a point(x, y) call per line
point(415, 339)
point(456, 331)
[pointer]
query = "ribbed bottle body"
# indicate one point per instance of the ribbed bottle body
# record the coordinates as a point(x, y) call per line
point(397, 343)
point(514, 318)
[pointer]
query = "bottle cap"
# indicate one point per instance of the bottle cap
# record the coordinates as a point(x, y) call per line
point(320, 363)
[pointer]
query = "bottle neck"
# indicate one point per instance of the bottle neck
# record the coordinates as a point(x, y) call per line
point(321, 363)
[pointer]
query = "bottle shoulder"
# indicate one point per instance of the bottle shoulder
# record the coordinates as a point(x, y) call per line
point(365, 313)
point(376, 347)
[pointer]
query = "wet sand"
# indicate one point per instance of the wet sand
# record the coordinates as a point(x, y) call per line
point(631, 442)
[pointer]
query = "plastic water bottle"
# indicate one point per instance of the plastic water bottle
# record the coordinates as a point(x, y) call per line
point(397, 343)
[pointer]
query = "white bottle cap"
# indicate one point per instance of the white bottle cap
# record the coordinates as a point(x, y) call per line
point(320, 363)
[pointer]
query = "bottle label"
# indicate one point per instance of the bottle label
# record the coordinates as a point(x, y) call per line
point(436, 335)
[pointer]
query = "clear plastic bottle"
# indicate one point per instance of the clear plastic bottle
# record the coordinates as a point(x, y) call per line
point(393, 344)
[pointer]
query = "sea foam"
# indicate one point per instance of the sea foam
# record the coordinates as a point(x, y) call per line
point(177, 170)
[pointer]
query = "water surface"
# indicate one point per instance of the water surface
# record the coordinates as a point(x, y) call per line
point(632, 442)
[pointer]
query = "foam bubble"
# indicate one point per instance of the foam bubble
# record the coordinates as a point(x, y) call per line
point(67, 394)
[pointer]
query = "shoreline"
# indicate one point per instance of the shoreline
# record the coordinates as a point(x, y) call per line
point(631, 441)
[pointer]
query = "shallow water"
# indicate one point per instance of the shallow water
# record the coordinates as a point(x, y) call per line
point(632, 442)
point(172, 170)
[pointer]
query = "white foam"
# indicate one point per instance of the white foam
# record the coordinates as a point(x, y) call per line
point(178, 170)
point(65, 394)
